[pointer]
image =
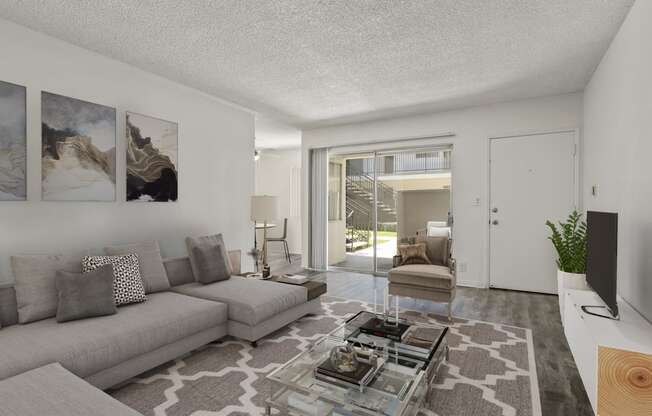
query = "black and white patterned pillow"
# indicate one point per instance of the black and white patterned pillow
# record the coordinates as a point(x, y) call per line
point(127, 283)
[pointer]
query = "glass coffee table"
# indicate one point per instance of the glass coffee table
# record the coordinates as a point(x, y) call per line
point(400, 385)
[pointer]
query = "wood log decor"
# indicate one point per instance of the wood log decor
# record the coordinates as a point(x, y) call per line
point(624, 383)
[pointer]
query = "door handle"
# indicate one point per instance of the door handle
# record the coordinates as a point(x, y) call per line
point(494, 222)
point(494, 210)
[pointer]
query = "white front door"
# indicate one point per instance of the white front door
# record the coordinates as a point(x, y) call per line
point(532, 180)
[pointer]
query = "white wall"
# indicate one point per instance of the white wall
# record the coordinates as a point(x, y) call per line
point(278, 172)
point(618, 150)
point(416, 208)
point(216, 171)
point(472, 128)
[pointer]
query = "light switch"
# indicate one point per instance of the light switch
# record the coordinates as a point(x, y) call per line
point(594, 190)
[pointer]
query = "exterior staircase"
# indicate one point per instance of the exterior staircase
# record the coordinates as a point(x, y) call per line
point(360, 206)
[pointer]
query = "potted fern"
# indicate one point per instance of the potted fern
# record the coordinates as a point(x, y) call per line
point(569, 239)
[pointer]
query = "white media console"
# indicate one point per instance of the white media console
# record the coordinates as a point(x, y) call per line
point(585, 333)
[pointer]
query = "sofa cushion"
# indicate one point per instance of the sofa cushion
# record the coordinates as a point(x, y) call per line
point(151, 263)
point(127, 282)
point(424, 275)
point(36, 292)
point(250, 301)
point(8, 309)
point(90, 345)
point(212, 264)
point(52, 390)
point(207, 241)
point(85, 295)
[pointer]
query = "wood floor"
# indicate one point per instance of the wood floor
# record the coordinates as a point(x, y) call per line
point(560, 386)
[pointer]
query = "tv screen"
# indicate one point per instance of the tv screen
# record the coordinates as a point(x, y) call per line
point(601, 259)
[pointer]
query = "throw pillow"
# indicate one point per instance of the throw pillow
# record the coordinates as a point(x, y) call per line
point(85, 295)
point(413, 254)
point(36, 291)
point(155, 278)
point(205, 242)
point(211, 264)
point(127, 283)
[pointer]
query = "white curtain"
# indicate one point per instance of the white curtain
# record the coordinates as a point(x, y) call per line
point(319, 209)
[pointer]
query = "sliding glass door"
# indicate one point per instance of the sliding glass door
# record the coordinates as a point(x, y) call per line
point(381, 199)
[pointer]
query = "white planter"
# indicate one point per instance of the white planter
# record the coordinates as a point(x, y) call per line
point(565, 281)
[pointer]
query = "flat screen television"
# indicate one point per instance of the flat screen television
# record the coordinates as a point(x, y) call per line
point(601, 258)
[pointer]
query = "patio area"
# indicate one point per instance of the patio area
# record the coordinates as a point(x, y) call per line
point(363, 259)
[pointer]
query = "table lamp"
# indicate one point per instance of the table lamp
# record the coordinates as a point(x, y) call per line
point(264, 208)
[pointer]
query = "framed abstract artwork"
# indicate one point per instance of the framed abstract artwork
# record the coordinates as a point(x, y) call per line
point(152, 159)
point(13, 143)
point(78, 140)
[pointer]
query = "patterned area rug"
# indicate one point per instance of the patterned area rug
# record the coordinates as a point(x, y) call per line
point(490, 370)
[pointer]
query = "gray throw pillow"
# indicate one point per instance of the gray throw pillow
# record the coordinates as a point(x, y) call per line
point(36, 292)
point(85, 295)
point(207, 242)
point(152, 271)
point(211, 264)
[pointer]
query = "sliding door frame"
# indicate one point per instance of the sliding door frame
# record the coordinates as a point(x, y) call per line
point(387, 148)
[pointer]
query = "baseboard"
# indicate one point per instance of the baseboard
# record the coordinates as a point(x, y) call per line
point(471, 283)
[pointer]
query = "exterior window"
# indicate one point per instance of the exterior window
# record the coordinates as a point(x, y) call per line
point(334, 191)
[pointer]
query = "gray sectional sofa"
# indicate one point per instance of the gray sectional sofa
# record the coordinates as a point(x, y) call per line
point(108, 350)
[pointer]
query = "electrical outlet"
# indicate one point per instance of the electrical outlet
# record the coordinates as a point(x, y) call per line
point(476, 202)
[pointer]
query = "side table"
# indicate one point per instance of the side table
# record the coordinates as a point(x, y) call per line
point(316, 286)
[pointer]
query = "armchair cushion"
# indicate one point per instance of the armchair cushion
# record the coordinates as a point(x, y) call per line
point(424, 275)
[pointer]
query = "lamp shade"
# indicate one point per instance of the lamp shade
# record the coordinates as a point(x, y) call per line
point(264, 208)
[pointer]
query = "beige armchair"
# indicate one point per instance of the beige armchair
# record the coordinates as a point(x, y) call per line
point(435, 282)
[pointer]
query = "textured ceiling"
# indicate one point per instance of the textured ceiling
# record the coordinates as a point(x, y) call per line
point(320, 62)
point(274, 134)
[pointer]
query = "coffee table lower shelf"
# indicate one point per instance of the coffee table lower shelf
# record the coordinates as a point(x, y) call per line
point(292, 402)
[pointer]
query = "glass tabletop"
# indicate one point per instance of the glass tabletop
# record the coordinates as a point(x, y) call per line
point(420, 340)
point(398, 385)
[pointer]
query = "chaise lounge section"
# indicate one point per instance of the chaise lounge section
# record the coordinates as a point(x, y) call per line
point(255, 307)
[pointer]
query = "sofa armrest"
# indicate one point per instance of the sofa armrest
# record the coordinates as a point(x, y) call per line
point(235, 256)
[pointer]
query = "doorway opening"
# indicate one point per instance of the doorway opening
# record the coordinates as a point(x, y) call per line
point(381, 199)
